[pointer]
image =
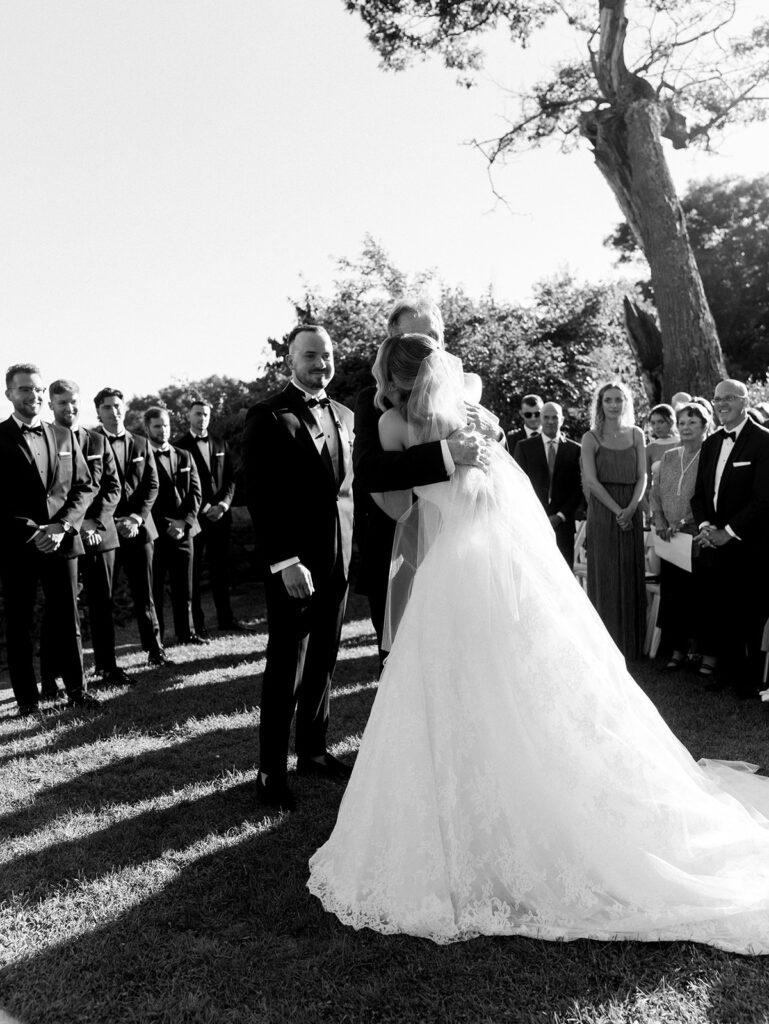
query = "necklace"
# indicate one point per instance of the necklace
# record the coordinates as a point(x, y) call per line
point(686, 467)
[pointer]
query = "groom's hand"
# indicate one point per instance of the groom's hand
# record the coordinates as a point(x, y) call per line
point(483, 421)
point(297, 579)
point(467, 448)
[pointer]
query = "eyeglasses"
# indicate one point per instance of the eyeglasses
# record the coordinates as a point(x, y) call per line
point(720, 399)
point(530, 415)
point(26, 390)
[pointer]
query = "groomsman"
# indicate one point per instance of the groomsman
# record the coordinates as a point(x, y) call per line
point(133, 516)
point(531, 421)
point(175, 513)
point(100, 542)
point(551, 462)
point(46, 491)
point(377, 470)
point(731, 507)
point(297, 453)
point(212, 543)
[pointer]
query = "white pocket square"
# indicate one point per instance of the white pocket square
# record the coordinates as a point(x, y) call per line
point(90, 458)
point(736, 465)
point(139, 458)
point(65, 455)
point(184, 469)
point(219, 455)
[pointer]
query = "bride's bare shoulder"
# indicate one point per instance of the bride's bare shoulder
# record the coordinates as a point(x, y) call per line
point(393, 432)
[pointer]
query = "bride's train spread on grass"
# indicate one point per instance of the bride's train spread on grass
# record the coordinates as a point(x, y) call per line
point(513, 779)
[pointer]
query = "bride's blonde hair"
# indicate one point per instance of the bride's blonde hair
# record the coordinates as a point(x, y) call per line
point(397, 364)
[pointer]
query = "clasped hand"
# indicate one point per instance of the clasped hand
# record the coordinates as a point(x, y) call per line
point(625, 518)
point(711, 537)
point(127, 527)
point(467, 447)
point(48, 538)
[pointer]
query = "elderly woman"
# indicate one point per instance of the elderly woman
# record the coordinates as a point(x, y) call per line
point(681, 602)
point(614, 478)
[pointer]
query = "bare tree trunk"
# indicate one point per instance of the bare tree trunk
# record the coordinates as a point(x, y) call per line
point(626, 140)
point(645, 340)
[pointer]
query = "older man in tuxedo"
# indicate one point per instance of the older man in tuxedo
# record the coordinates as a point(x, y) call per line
point(46, 491)
point(175, 513)
point(377, 470)
point(298, 475)
point(100, 542)
point(212, 544)
point(551, 462)
point(133, 516)
point(731, 507)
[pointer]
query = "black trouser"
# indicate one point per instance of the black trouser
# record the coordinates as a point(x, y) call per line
point(98, 572)
point(213, 545)
point(301, 654)
point(173, 559)
point(135, 558)
point(20, 572)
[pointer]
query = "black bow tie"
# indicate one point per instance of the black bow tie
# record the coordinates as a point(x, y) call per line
point(25, 429)
point(322, 402)
point(201, 438)
point(162, 451)
point(728, 436)
point(115, 437)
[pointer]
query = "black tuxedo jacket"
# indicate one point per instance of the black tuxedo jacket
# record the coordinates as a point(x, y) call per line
point(514, 436)
point(179, 493)
point(64, 497)
point(566, 492)
point(297, 507)
point(139, 483)
point(743, 493)
point(97, 452)
point(217, 483)
point(378, 470)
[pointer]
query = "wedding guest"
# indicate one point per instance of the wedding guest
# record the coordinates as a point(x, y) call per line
point(551, 462)
point(100, 542)
point(212, 544)
point(662, 427)
point(531, 421)
point(731, 508)
point(175, 513)
point(133, 517)
point(379, 471)
point(297, 450)
point(681, 398)
point(614, 476)
point(46, 491)
point(684, 618)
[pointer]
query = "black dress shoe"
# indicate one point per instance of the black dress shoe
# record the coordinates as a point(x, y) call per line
point(84, 700)
point(194, 640)
point(275, 793)
point(157, 659)
point(28, 710)
point(329, 768)
point(117, 677)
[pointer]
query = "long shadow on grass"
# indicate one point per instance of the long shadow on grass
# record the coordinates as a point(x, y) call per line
point(235, 936)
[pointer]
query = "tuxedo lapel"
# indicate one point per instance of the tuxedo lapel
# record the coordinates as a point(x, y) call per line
point(53, 453)
point(738, 449)
point(20, 442)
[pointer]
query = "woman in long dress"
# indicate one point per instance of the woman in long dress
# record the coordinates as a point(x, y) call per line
point(614, 478)
point(512, 778)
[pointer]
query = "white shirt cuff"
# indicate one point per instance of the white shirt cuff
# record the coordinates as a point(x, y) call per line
point(731, 532)
point(279, 566)
point(448, 462)
point(223, 505)
point(137, 519)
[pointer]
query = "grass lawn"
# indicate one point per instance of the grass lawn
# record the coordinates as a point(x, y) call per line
point(140, 881)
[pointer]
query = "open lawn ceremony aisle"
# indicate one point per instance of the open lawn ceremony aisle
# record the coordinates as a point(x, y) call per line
point(140, 882)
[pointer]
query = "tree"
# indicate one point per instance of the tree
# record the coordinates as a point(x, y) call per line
point(728, 223)
point(631, 90)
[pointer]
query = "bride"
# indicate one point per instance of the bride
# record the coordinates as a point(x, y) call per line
point(512, 778)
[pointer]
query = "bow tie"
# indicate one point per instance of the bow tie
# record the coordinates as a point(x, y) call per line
point(322, 402)
point(201, 438)
point(163, 451)
point(727, 435)
point(116, 437)
point(25, 429)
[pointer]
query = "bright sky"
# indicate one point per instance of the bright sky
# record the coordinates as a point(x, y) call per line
point(172, 170)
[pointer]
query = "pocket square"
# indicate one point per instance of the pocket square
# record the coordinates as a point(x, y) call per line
point(139, 458)
point(184, 469)
point(90, 458)
point(736, 465)
point(65, 455)
point(219, 455)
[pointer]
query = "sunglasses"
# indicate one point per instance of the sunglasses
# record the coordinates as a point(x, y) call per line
point(529, 415)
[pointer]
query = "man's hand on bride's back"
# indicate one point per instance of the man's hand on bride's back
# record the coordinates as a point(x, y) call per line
point(483, 421)
point(467, 447)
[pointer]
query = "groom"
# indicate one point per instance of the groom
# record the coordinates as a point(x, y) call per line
point(377, 470)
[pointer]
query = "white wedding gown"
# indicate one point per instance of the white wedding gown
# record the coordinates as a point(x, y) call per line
point(513, 779)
